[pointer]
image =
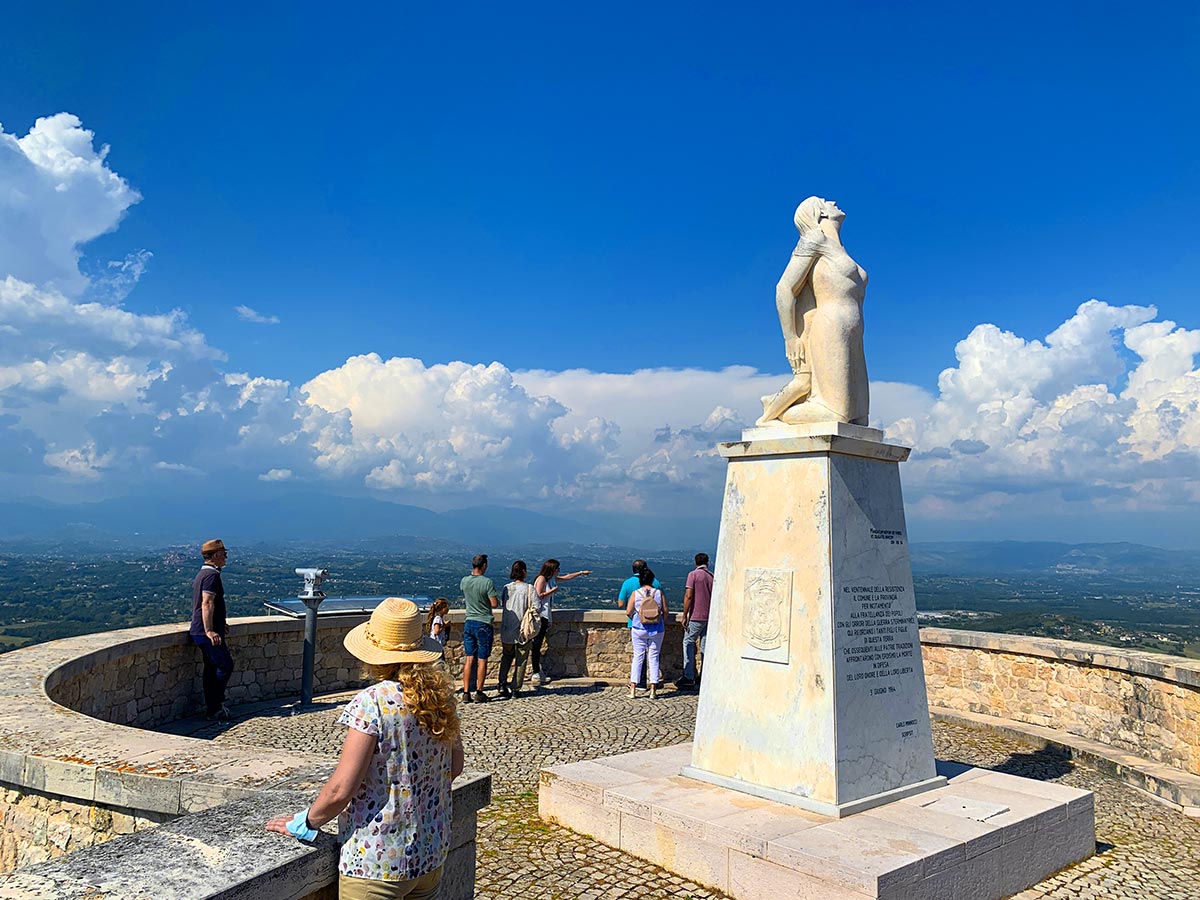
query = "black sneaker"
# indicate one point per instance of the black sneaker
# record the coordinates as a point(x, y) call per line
point(481, 697)
point(685, 683)
point(466, 696)
point(504, 693)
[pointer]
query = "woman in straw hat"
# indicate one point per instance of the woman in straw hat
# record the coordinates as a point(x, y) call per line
point(392, 782)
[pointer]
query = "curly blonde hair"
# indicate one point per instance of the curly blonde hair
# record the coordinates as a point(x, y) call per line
point(428, 695)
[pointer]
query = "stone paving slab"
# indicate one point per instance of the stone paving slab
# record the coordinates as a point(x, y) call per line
point(1146, 850)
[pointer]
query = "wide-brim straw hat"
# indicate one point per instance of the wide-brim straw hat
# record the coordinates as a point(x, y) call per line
point(393, 634)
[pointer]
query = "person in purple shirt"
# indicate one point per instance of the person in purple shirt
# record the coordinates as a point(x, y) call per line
point(697, 597)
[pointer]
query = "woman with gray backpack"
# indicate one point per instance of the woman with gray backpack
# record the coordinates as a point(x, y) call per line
point(519, 623)
point(647, 611)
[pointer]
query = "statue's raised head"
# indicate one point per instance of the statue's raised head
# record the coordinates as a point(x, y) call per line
point(810, 212)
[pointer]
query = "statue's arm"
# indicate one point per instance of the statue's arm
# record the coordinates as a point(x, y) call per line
point(791, 282)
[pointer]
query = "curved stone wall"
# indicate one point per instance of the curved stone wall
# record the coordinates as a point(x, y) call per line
point(1146, 704)
point(146, 677)
point(52, 751)
point(74, 778)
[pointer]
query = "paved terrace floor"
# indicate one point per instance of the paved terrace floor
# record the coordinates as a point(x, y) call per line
point(1146, 850)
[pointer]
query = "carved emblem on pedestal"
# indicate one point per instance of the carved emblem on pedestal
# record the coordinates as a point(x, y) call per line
point(767, 614)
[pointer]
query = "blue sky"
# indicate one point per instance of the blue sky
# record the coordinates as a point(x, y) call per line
point(555, 190)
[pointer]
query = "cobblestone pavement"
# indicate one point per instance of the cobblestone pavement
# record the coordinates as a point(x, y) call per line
point(1146, 850)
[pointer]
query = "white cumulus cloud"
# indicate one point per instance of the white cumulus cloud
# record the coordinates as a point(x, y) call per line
point(91, 393)
point(450, 428)
point(57, 194)
point(1105, 411)
point(249, 314)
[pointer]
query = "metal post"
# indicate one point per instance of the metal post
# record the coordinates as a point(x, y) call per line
point(310, 649)
point(312, 595)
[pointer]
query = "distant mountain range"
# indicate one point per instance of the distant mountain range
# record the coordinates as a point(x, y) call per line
point(323, 518)
point(328, 520)
point(976, 558)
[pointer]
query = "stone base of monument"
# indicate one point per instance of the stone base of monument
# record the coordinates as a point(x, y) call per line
point(814, 692)
point(983, 836)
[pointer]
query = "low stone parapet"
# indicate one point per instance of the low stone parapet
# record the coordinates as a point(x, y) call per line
point(75, 768)
point(1143, 706)
point(146, 677)
point(72, 782)
point(226, 853)
point(1142, 703)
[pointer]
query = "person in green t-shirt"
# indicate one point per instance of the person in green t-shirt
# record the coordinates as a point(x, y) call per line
point(481, 598)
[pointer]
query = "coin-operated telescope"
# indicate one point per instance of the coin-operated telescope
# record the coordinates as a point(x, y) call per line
point(312, 595)
point(312, 583)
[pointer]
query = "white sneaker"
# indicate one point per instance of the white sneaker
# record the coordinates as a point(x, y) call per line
point(537, 677)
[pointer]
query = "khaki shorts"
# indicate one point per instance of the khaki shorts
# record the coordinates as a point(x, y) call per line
point(423, 888)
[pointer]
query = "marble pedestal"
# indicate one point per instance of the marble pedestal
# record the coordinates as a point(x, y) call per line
point(983, 836)
point(813, 692)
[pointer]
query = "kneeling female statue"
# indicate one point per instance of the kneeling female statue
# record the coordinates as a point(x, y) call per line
point(819, 298)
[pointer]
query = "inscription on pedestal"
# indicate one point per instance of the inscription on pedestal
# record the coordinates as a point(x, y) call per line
point(767, 615)
point(877, 650)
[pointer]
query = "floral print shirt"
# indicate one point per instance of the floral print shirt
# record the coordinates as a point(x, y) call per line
point(398, 824)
